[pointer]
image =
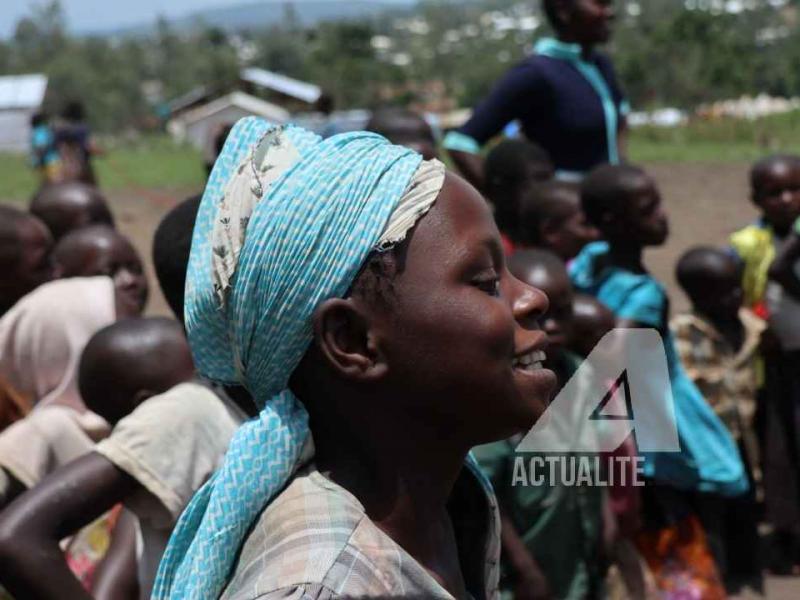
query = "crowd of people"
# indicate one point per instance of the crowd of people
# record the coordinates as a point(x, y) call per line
point(695, 524)
point(361, 339)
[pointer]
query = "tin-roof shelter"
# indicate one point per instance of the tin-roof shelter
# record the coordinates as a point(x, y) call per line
point(200, 125)
point(21, 96)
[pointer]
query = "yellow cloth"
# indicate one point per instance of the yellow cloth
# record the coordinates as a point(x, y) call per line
point(755, 244)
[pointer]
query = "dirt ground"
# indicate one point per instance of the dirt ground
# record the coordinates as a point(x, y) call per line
point(705, 204)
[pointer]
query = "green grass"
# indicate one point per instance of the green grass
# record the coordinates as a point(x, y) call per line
point(156, 162)
point(722, 140)
point(150, 162)
point(17, 180)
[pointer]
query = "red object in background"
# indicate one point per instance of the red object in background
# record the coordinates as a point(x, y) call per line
point(761, 310)
point(508, 245)
point(624, 499)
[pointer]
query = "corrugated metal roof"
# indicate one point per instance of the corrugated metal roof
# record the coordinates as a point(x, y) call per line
point(193, 96)
point(22, 91)
point(307, 92)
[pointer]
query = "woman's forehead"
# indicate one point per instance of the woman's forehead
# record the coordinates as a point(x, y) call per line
point(458, 228)
point(459, 212)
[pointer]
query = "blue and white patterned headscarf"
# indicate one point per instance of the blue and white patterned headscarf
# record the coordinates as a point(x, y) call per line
point(286, 221)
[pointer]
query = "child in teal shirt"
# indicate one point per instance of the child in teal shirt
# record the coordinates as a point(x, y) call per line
point(623, 202)
point(625, 205)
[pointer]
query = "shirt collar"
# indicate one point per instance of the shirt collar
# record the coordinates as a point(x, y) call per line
point(555, 48)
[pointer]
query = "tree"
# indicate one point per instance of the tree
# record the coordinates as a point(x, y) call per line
point(41, 36)
point(343, 62)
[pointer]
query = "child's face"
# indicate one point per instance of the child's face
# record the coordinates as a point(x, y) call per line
point(778, 196)
point(34, 267)
point(558, 320)
point(568, 237)
point(644, 221)
point(116, 258)
point(462, 342)
point(125, 268)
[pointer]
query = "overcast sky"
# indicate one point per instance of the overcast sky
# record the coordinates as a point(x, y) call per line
point(87, 15)
point(94, 15)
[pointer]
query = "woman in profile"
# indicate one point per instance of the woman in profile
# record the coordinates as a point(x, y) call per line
point(360, 294)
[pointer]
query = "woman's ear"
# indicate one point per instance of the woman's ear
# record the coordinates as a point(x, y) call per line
point(345, 335)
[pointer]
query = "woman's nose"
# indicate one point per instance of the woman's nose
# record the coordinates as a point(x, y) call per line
point(528, 302)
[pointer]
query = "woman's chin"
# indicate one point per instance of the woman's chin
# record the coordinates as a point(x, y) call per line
point(519, 408)
point(535, 386)
point(531, 406)
point(535, 411)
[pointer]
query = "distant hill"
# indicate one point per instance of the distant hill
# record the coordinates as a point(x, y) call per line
point(258, 15)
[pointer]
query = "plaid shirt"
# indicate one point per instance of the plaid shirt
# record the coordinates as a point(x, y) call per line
point(315, 541)
point(729, 380)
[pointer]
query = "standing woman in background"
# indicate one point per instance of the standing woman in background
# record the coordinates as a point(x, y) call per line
point(565, 96)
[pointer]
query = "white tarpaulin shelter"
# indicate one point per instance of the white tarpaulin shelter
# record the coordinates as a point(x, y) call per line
point(20, 97)
point(199, 126)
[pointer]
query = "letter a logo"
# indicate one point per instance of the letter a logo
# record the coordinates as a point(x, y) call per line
point(623, 387)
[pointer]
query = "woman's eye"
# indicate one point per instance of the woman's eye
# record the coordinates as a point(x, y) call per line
point(490, 285)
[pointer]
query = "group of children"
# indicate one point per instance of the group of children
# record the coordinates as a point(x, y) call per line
point(84, 383)
point(732, 353)
point(99, 399)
